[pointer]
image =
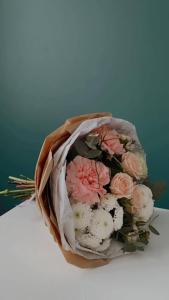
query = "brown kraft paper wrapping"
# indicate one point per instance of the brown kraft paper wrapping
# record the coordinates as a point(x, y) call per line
point(42, 172)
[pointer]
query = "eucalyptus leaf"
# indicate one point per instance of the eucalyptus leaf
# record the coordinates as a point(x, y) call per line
point(144, 236)
point(153, 230)
point(93, 154)
point(127, 219)
point(116, 164)
point(140, 248)
point(129, 248)
point(140, 223)
point(126, 230)
point(83, 150)
point(92, 141)
point(125, 202)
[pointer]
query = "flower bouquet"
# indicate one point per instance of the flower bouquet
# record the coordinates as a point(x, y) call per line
point(92, 189)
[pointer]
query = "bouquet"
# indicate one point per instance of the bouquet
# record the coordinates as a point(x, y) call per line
point(92, 190)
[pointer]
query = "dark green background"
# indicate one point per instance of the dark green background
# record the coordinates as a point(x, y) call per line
point(60, 58)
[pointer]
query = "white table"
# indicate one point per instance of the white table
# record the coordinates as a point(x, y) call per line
point(32, 267)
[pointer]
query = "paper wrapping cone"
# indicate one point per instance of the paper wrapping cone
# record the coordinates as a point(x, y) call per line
point(42, 173)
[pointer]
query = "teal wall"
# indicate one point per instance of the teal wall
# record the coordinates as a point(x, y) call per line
point(60, 58)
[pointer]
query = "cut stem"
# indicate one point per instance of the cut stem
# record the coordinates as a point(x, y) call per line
point(14, 192)
point(25, 188)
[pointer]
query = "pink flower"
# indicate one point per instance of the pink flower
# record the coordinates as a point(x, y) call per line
point(134, 164)
point(142, 202)
point(109, 140)
point(122, 185)
point(85, 179)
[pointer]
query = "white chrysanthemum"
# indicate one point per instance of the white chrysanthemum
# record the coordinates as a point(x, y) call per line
point(109, 202)
point(101, 224)
point(104, 245)
point(82, 214)
point(118, 218)
point(87, 240)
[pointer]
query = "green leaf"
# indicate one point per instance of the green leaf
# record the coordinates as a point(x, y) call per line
point(133, 247)
point(93, 154)
point(129, 248)
point(125, 202)
point(144, 241)
point(140, 248)
point(126, 229)
point(140, 223)
point(127, 219)
point(92, 141)
point(83, 150)
point(116, 164)
point(153, 230)
point(144, 236)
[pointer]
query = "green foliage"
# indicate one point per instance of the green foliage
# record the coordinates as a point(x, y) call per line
point(129, 248)
point(144, 236)
point(153, 230)
point(83, 150)
point(140, 223)
point(126, 204)
point(92, 141)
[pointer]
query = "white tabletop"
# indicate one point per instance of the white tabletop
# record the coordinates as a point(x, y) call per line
point(32, 267)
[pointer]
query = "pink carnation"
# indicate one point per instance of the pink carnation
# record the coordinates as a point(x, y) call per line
point(109, 140)
point(85, 179)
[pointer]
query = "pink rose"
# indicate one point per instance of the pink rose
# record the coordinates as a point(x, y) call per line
point(109, 140)
point(134, 164)
point(122, 185)
point(85, 179)
point(142, 202)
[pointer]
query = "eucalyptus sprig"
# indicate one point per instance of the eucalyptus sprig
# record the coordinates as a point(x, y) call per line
point(151, 227)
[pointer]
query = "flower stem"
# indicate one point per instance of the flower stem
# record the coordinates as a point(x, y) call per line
point(25, 188)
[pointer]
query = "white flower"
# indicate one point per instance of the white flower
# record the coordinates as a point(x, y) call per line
point(82, 214)
point(142, 203)
point(104, 245)
point(146, 211)
point(110, 203)
point(87, 240)
point(101, 224)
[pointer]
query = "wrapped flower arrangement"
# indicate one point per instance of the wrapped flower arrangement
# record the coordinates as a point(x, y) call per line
point(92, 190)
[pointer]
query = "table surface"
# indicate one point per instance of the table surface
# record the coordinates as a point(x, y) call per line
point(32, 267)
